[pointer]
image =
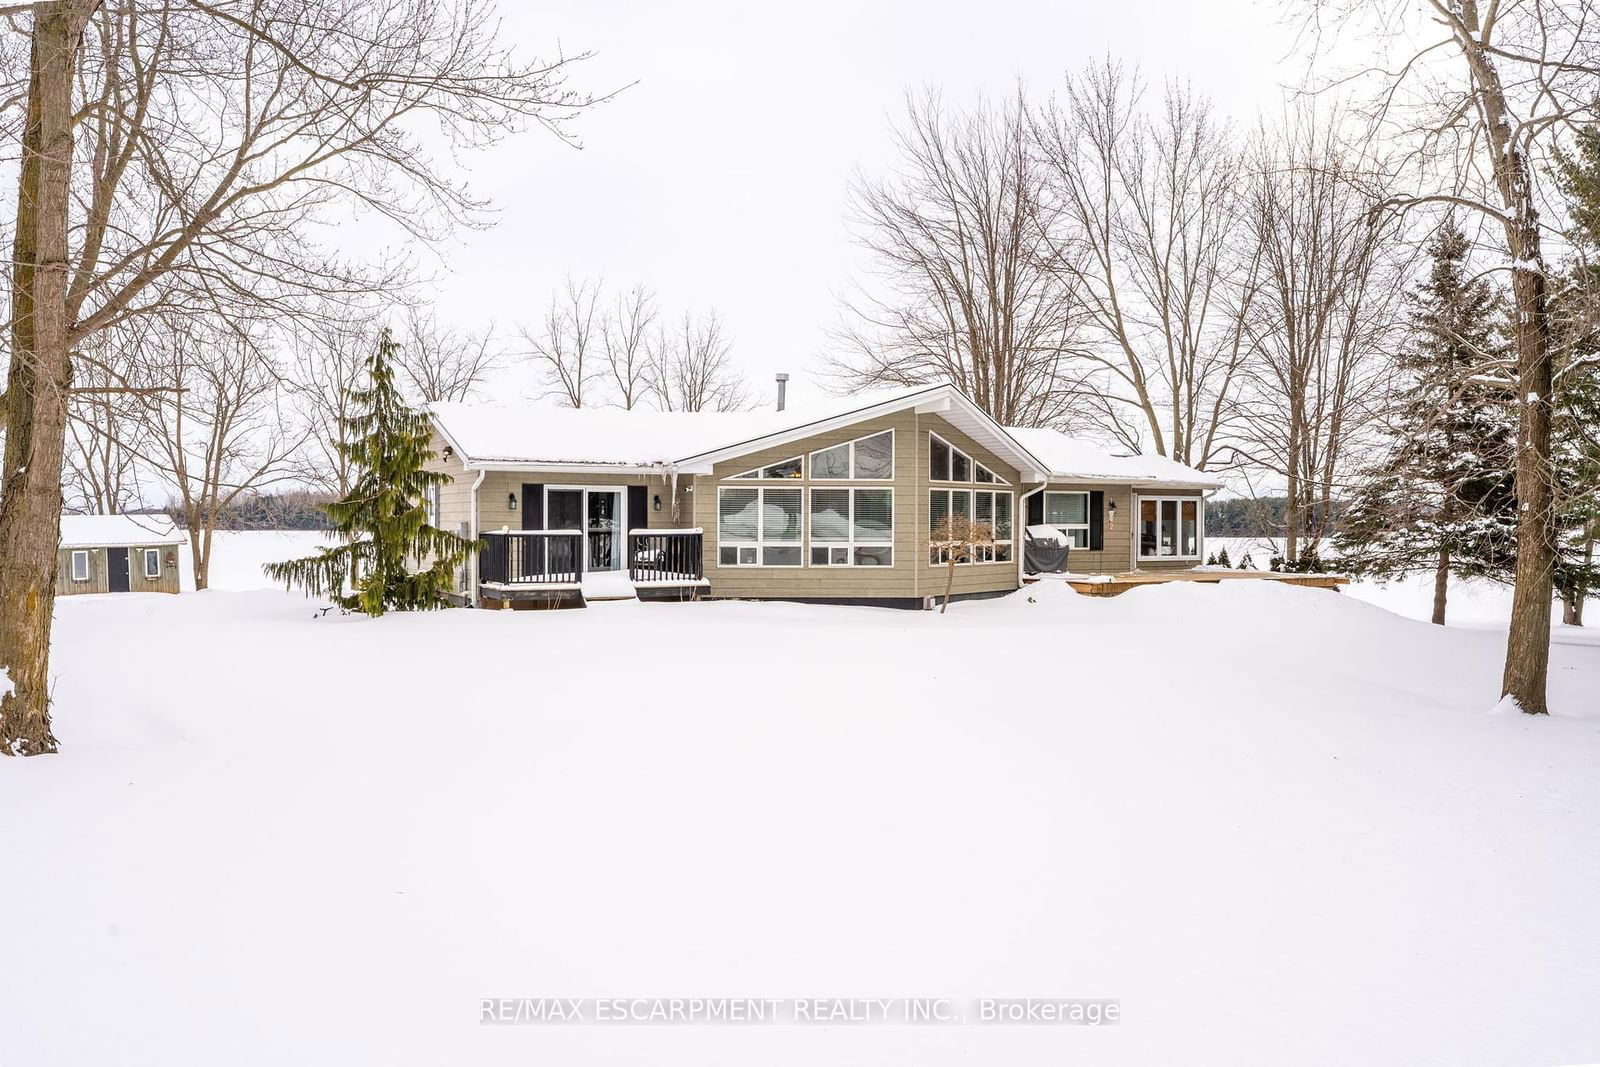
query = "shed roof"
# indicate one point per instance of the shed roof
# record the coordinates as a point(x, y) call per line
point(93, 531)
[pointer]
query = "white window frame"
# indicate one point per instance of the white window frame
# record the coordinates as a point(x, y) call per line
point(80, 554)
point(1071, 527)
point(811, 459)
point(972, 466)
point(937, 556)
point(852, 543)
point(431, 505)
point(755, 473)
point(1199, 528)
point(761, 544)
point(148, 553)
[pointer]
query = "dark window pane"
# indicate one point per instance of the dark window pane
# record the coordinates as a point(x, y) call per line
point(938, 460)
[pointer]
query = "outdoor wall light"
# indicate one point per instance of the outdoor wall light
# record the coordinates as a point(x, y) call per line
point(449, 453)
point(1111, 511)
point(511, 502)
point(656, 504)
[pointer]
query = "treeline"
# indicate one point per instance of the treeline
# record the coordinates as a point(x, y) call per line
point(1264, 516)
point(269, 511)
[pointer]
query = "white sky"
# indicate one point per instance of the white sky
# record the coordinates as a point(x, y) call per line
point(720, 178)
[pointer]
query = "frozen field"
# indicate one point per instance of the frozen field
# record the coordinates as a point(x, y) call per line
point(1280, 825)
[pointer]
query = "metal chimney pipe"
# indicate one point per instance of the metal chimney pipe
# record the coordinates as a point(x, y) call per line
point(783, 389)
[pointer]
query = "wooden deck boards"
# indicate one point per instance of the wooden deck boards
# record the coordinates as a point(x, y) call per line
point(1121, 583)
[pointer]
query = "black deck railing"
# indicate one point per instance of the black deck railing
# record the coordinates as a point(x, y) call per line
point(665, 556)
point(532, 557)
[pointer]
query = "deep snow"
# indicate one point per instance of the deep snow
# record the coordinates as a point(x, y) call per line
point(1281, 825)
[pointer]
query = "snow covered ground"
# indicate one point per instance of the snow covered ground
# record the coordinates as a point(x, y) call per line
point(1279, 825)
point(1475, 603)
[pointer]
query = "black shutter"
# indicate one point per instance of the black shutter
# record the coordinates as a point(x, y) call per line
point(638, 506)
point(1036, 510)
point(532, 506)
point(1097, 520)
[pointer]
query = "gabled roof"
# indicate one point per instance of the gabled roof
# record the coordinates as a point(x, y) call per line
point(1070, 459)
point(508, 436)
point(513, 436)
point(95, 531)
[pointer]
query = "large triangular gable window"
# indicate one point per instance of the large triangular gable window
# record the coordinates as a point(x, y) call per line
point(789, 468)
point(947, 463)
point(864, 459)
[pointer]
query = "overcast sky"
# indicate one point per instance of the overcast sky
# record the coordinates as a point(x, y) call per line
point(719, 179)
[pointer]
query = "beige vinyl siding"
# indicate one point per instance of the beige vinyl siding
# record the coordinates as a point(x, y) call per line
point(1117, 536)
point(1121, 533)
point(99, 581)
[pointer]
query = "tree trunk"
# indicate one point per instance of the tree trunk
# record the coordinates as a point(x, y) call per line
point(1572, 602)
point(1528, 642)
point(36, 394)
point(1441, 586)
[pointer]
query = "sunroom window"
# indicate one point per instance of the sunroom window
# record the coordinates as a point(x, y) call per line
point(866, 458)
point(1069, 513)
point(852, 528)
point(758, 527)
point(983, 505)
point(1169, 527)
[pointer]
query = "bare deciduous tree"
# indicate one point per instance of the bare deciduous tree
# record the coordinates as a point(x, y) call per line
point(223, 434)
point(1148, 206)
point(691, 367)
point(1324, 318)
point(211, 138)
point(958, 539)
point(625, 334)
point(104, 428)
point(966, 288)
point(564, 346)
point(438, 363)
point(327, 362)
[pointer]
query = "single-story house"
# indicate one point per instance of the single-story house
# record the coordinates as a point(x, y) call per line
point(117, 554)
point(832, 503)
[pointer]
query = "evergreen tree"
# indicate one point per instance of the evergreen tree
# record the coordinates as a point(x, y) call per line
point(1443, 499)
point(1575, 319)
point(384, 519)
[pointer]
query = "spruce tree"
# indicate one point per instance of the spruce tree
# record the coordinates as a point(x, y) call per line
point(384, 519)
point(1575, 431)
point(1443, 499)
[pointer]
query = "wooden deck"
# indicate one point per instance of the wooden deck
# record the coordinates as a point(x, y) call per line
point(1115, 584)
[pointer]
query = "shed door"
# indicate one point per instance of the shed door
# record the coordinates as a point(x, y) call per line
point(117, 570)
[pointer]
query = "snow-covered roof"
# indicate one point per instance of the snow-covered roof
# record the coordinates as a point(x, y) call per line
point(493, 434)
point(490, 435)
point(93, 531)
point(1069, 458)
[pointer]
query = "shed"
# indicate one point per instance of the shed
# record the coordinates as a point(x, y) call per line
point(117, 554)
